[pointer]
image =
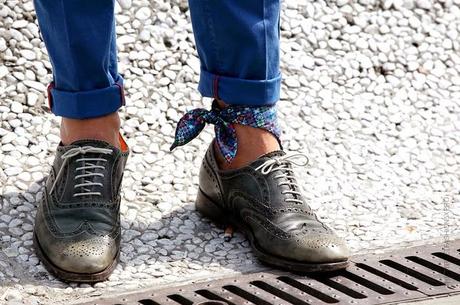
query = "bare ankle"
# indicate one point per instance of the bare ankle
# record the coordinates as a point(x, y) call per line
point(252, 143)
point(104, 128)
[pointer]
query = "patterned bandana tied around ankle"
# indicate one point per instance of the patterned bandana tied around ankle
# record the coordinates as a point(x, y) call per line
point(193, 122)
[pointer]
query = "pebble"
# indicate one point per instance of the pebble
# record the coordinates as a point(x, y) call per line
point(292, 82)
point(32, 99)
point(16, 107)
point(3, 71)
point(35, 85)
point(125, 4)
point(143, 13)
point(3, 46)
point(18, 24)
point(130, 195)
point(335, 44)
point(424, 4)
point(28, 54)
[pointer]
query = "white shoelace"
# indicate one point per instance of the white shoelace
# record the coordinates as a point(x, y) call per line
point(85, 170)
point(287, 174)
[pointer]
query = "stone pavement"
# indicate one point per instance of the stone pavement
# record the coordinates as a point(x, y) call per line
point(371, 94)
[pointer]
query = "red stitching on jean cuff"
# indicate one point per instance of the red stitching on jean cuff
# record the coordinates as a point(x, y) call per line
point(216, 87)
point(122, 92)
point(50, 96)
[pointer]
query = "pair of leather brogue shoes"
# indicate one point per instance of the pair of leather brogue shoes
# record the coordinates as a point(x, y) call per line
point(77, 226)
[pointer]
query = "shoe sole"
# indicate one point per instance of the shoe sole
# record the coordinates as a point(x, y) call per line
point(67, 276)
point(208, 208)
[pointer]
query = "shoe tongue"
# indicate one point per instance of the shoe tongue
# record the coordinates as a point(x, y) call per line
point(81, 163)
point(93, 143)
point(271, 155)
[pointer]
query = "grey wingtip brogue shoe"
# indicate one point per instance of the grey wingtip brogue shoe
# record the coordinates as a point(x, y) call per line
point(264, 201)
point(77, 225)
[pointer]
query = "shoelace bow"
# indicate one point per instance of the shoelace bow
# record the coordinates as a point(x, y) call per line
point(193, 122)
point(283, 164)
point(87, 170)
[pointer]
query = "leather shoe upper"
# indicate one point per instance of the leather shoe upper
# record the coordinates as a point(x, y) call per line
point(265, 197)
point(77, 224)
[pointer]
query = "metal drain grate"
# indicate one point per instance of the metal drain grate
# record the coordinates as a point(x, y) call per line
point(402, 275)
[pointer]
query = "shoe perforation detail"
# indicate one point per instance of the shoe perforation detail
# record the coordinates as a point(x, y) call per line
point(90, 247)
point(325, 240)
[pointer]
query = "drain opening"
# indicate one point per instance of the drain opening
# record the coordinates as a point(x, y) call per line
point(386, 276)
point(246, 295)
point(279, 293)
point(437, 268)
point(212, 296)
point(420, 276)
point(180, 299)
point(148, 302)
point(212, 302)
point(366, 283)
point(342, 288)
point(311, 291)
point(447, 257)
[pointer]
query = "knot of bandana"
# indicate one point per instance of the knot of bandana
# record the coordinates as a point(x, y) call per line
point(193, 122)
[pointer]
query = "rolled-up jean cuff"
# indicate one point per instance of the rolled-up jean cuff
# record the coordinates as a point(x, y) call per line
point(86, 104)
point(237, 91)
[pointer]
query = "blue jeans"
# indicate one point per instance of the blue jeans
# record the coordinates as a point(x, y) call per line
point(237, 42)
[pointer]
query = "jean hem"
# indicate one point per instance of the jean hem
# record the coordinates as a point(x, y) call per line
point(86, 104)
point(237, 91)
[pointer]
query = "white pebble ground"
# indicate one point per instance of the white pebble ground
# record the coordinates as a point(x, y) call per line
point(371, 93)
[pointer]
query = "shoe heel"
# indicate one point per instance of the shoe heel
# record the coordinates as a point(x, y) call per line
point(209, 209)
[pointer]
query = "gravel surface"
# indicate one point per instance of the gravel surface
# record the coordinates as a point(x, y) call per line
point(371, 93)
